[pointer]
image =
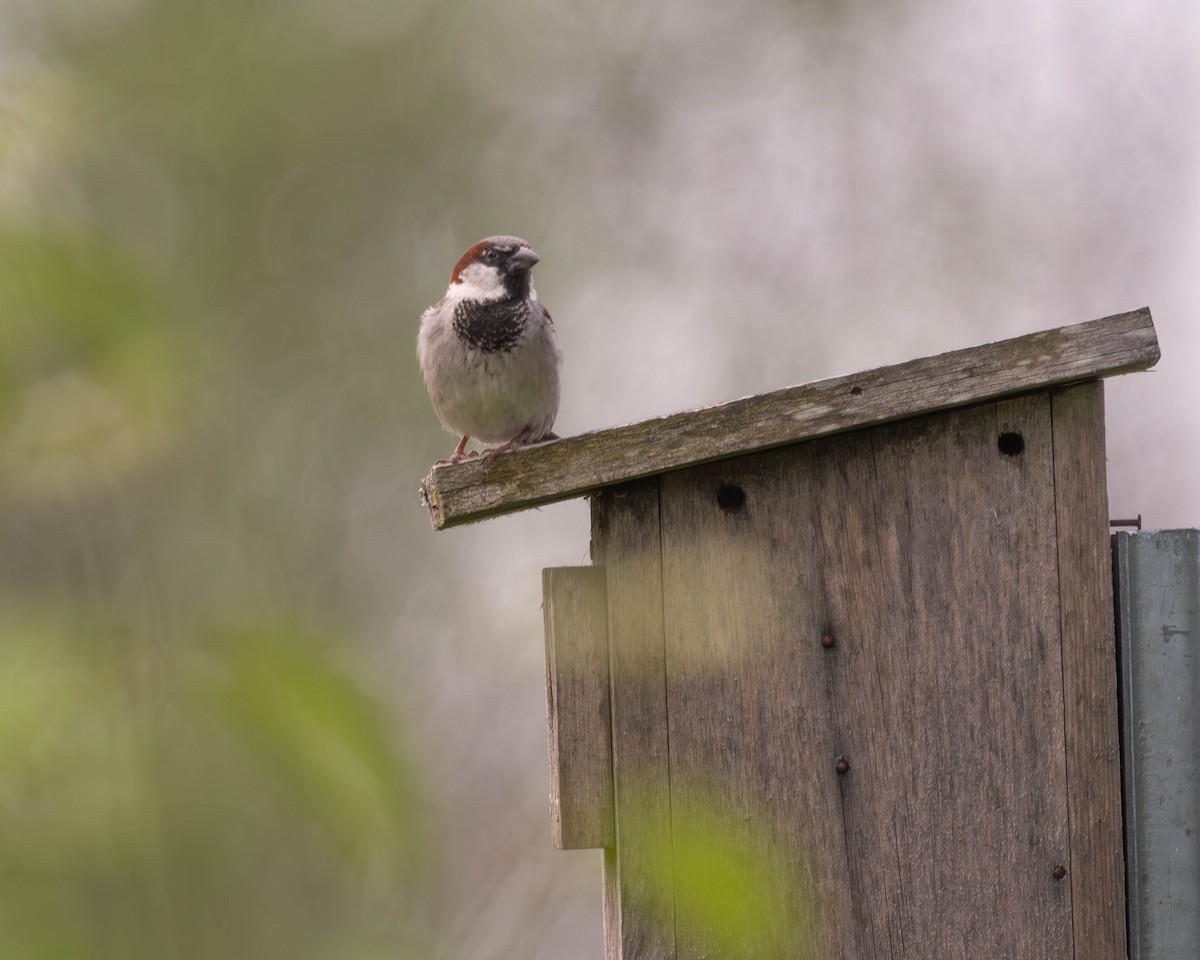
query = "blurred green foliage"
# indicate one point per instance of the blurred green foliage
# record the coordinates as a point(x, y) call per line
point(313, 729)
point(199, 209)
point(724, 888)
point(89, 379)
point(244, 799)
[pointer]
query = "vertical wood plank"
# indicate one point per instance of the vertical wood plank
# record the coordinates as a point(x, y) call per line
point(752, 740)
point(967, 670)
point(975, 677)
point(929, 557)
point(1096, 877)
point(638, 870)
point(577, 707)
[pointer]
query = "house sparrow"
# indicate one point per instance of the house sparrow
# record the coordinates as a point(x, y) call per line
point(488, 352)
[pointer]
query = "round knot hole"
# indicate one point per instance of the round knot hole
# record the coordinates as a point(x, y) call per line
point(731, 498)
point(856, 391)
point(1011, 444)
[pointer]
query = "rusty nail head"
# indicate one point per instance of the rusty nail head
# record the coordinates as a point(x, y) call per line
point(842, 766)
point(828, 641)
point(1059, 872)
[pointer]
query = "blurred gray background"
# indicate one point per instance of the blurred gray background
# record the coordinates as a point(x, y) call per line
point(250, 704)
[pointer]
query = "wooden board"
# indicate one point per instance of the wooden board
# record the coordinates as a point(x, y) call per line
point(476, 489)
point(578, 720)
point(638, 907)
point(1097, 870)
point(929, 556)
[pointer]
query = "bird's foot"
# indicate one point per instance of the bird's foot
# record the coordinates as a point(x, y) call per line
point(469, 455)
point(517, 443)
point(460, 453)
point(493, 452)
point(456, 457)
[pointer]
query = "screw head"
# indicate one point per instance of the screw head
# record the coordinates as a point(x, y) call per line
point(1059, 872)
point(828, 641)
point(842, 766)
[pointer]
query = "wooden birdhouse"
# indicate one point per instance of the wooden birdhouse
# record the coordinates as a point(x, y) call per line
point(841, 680)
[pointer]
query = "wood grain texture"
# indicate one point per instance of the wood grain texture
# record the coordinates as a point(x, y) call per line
point(638, 907)
point(930, 557)
point(753, 741)
point(1097, 869)
point(477, 489)
point(577, 713)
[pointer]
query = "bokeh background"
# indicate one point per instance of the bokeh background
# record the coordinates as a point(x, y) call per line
point(250, 705)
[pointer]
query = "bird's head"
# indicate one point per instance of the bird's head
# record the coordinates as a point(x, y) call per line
point(496, 268)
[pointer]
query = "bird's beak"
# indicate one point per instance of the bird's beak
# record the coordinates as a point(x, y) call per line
point(523, 259)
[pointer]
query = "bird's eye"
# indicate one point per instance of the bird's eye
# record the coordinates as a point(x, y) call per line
point(491, 256)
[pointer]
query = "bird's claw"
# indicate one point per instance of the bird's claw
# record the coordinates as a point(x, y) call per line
point(458, 458)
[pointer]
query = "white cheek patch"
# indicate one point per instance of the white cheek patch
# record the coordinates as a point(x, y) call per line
point(478, 281)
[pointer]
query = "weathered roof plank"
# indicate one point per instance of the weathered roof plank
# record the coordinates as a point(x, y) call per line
point(477, 489)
